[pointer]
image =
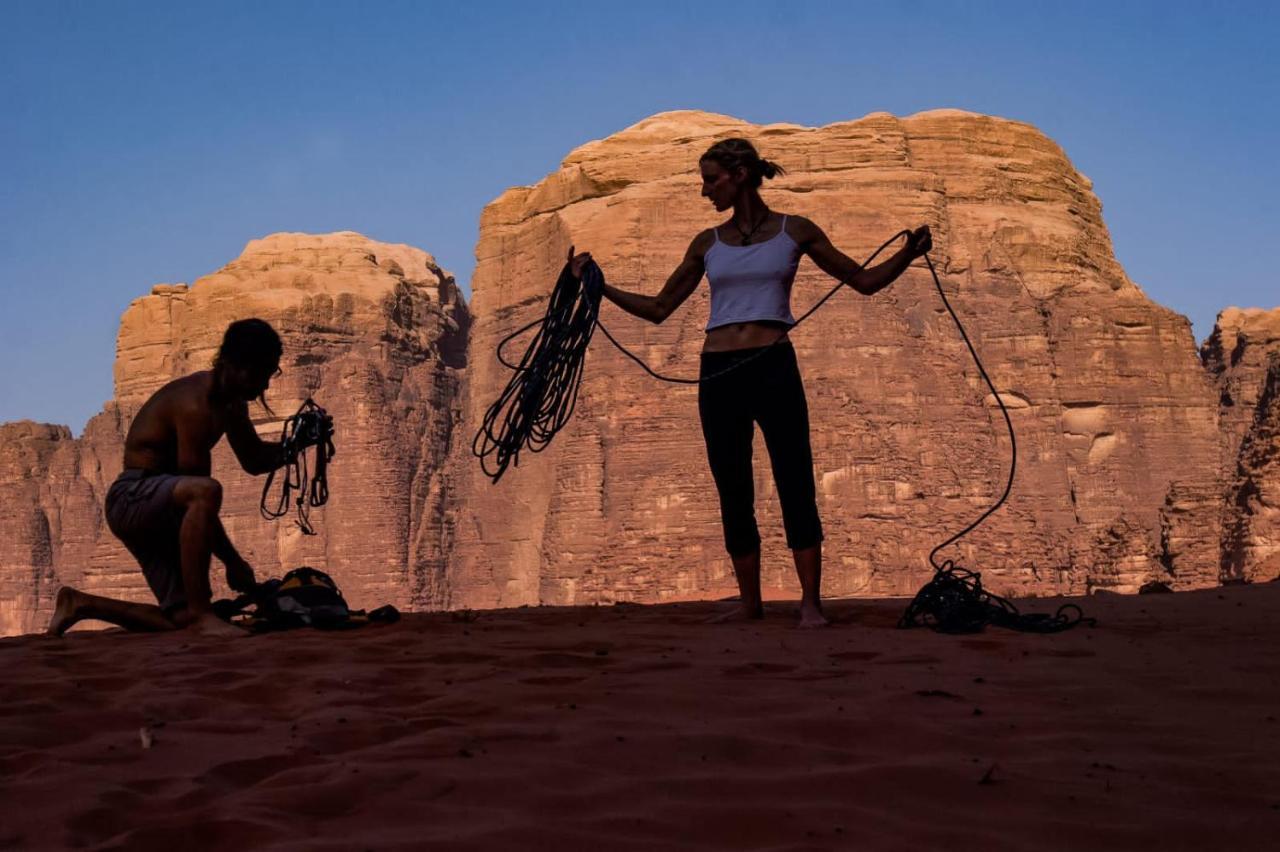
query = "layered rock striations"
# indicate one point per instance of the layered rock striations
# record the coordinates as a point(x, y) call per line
point(1118, 472)
point(374, 332)
point(1137, 461)
point(1243, 356)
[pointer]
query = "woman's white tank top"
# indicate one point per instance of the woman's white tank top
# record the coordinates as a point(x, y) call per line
point(753, 282)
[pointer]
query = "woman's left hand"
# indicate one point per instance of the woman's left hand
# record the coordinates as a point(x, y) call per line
point(920, 242)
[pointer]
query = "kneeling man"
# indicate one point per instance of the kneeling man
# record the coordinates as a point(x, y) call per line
point(164, 505)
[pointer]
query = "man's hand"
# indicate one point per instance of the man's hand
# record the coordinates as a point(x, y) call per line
point(920, 242)
point(240, 577)
point(310, 437)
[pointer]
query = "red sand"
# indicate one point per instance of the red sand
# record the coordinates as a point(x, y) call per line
point(641, 728)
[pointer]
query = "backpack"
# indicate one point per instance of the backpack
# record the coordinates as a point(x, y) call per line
point(304, 597)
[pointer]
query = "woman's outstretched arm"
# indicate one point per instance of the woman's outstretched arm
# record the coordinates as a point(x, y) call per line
point(679, 286)
point(867, 281)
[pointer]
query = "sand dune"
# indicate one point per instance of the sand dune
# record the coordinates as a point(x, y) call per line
point(642, 728)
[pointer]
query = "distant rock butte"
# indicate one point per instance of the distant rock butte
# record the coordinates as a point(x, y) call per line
point(1137, 460)
point(1243, 356)
point(375, 332)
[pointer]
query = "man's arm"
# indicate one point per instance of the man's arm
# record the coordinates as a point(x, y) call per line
point(255, 455)
point(678, 288)
point(239, 573)
point(840, 266)
point(222, 547)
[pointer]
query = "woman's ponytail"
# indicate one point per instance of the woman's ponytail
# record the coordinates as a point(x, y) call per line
point(732, 153)
point(770, 169)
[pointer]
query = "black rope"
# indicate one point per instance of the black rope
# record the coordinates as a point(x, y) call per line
point(540, 398)
point(954, 600)
point(764, 350)
point(309, 427)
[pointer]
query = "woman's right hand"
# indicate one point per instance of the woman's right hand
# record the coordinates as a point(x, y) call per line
point(576, 263)
point(920, 242)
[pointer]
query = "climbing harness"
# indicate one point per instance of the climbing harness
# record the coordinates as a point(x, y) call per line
point(310, 426)
point(540, 397)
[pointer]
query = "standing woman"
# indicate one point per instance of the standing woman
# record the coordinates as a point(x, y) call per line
point(751, 261)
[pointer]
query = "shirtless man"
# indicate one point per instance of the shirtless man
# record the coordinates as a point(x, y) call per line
point(164, 505)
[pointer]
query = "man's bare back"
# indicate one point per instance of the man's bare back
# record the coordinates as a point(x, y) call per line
point(176, 429)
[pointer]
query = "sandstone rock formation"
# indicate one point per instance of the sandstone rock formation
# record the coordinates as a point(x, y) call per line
point(1243, 356)
point(1137, 461)
point(1118, 477)
point(374, 332)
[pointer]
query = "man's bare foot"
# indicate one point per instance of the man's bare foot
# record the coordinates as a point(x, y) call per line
point(740, 612)
point(209, 624)
point(64, 611)
point(811, 616)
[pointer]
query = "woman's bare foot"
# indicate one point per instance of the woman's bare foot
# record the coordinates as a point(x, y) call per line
point(740, 612)
point(811, 616)
point(64, 611)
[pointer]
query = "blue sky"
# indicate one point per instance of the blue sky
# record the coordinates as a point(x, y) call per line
point(148, 142)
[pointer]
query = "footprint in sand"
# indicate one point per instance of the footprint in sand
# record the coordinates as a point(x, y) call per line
point(662, 666)
point(207, 834)
point(856, 656)
point(97, 824)
point(405, 696)
point(561, 680)
point(460, 658)
point(28, 709)
point(593, 647)
point(340, 792)
point(982, 644)
point(911, 660)
point(108, 683)
point(240, 774)
point(14, 766)
point(348, 737)
point(557, 661)
point(149, 786)
point(820, 674)
point(758, 669)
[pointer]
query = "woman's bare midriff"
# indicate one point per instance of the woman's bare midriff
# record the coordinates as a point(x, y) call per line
point(742, 335)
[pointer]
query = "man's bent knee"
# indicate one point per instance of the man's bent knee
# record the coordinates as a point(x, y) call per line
point(202, 491)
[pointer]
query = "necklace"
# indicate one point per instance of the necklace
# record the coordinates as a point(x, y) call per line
point(746, 235)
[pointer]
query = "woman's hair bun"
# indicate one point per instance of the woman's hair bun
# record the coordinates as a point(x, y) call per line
point(735, 152)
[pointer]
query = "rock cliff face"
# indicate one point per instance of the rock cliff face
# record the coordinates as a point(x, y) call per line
point(1137, 461)
point(1243, 357)
point(1119, 472)
point(374, 332)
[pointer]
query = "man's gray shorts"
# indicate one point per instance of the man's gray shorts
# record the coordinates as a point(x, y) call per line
point(141, 512)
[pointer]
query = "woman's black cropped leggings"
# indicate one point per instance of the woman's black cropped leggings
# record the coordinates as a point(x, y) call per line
point(767, 391)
